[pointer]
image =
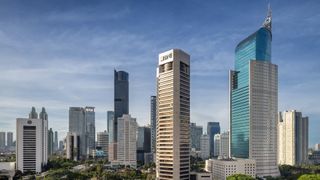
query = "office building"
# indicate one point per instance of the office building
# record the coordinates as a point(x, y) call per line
point(195, 134)
point(55, 144)
point(50, 142)
point(2, 140)
point(121, 106)
point(216, 141)
point(90, 129)
point(44, 117)
point(213, 128)
point(30, 149)
point(9, 139)
point(293, 130)
point(173, 115)
point(224, 145)
point(143, 142)
point(127, 141)
point(73, 146)
point(254, 102)
point(33, 114)
point(153, 122)
point(110, 122)
point(61, 145)
point(103, 141)
point(222, 168)
point(82, 123)
point(205, 146)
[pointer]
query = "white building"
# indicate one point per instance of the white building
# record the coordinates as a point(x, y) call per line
point(30, 148)
point(224, 145)
point(127, 146)
point(173, 115)
point(293, 130)
point(222, 168)
point(317, 147)
point(103, 141)
point(205, 146)
point(73, 146)
point(216, 141)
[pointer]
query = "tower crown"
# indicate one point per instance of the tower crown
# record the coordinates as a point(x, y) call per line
point(268, 21)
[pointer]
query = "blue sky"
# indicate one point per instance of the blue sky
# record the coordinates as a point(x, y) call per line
point(59, 54)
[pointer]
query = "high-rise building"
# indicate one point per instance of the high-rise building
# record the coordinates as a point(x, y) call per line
point(50, 142)
point(103, 141)
point(216, 141)
point(213, 128)
point(127, 137)
point(30, 149)
point(317, 147)
point(293, 130)
point(61, 145)
point(9, 139)
point(153, 122)
point(33, 114)
point(110, 123)
point(205, 146)
point(2, 139)
point(143, 142)
point(173, 115)
point(90, 129)
point(121, 104)
point(56, 142)
point(195, 134)
point(254, 102)
point(224, 145)
point(82, 123)
point(44, 117)
point(73, 146)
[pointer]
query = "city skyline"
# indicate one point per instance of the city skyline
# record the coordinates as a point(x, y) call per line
point(114, 42)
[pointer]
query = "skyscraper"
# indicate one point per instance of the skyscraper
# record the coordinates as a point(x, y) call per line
point(143, 142)
point(44, 117)
point(73, 146)
point(9, 139)
point(216, 141)
point(153, 122)
point(173, 115)
point(110, 122)
point(254, 101)
point(56, 142)
point(50, 142)
point(2, 139)
point(31, 148)
point(195, 134)
point(224, 144)
point(121, 103)
point(103, 141)
point(90, 129)
point(205, 146)
point(77, 125)
point(127, 139)
point(213, 128)
point(293, 130)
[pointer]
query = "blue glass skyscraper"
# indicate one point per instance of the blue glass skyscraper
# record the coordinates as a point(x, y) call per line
point(254, 101)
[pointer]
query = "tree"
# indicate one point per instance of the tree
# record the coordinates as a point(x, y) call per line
point(310, 177)
point(239, 177)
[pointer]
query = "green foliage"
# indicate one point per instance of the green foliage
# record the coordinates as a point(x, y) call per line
point(239, 177)
point(310, 177)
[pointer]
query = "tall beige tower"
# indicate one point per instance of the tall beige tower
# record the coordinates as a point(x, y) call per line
point(173, 115)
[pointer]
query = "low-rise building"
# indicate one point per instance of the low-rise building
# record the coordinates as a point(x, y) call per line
point(222, 168)
point(200, 176)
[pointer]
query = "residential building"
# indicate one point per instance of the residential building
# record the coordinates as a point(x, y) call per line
point(293, 130)
point(50, 142)
point(153, 122)
point(195, 134)
point(222, 168)
point(213, 128)
point(30, 149)
point(9, 139)
point(73, 146)
point(143, 142)
point(205, 146)
point(216, 140)
point(254, 102)
point(224, 145)
point(173, 115)
point(127, 129)
point(103, 141)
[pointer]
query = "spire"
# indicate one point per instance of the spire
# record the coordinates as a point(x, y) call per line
point(267, 22)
